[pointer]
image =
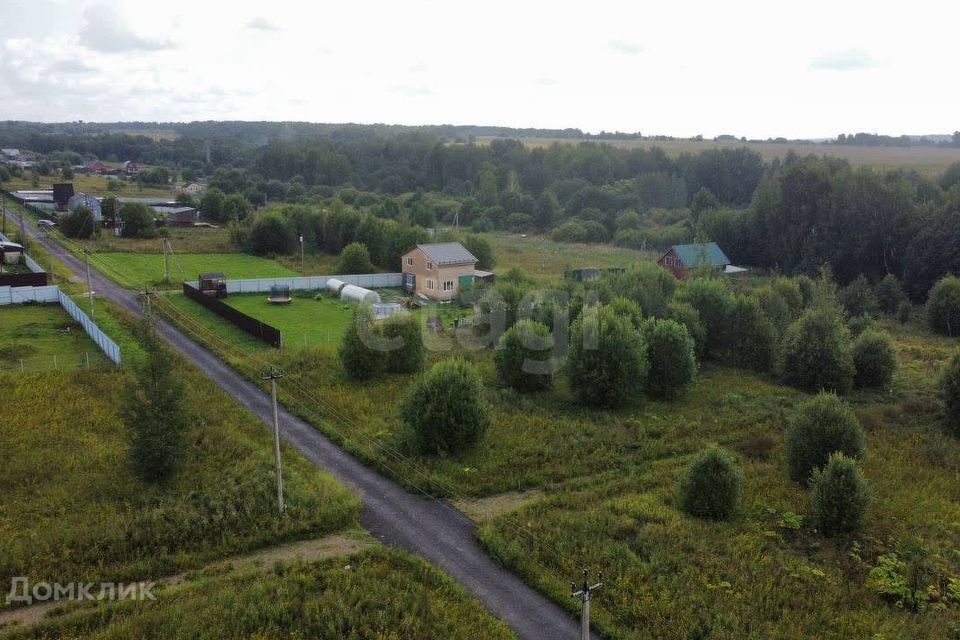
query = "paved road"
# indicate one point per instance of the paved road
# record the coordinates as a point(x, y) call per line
point(425, 527)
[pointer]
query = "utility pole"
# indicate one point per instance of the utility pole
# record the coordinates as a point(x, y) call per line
point(147, 310)
point(3, 194)
point(86, 259)
point(584, 594)
point(166, 262)
point(273, 375)
point(303, 270)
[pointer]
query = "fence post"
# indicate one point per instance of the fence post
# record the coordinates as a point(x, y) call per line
point(56, 367)
point(87, 356)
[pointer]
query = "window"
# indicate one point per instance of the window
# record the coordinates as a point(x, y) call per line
point(448, 285)
point(410, 261)
point(430, 284)
point(429, 266)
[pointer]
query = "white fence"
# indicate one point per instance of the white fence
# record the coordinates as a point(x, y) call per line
point(315, 283)
point(21, 295)
point(108, 346)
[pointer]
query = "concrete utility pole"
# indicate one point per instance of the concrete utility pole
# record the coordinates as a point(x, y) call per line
point(584, 594)
point(86, 259)
point(147, 310)
point(3, 194)
point(166, 261)
point(273, 375)
point(303, 270)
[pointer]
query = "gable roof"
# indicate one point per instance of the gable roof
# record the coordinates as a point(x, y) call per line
point(701, 254)
point(446, 253)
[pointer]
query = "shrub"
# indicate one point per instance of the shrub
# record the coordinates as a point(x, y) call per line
point(608, 359)
point(359, 360)
point(817, 353)
point(446, 410)
point(874, 358)
point(570, 231)
point(820, 426)
point(686, 315)
point(524, 357)
point(646, 284)
point(79, 223)
point(808, 288)
point(889, 294)
point(950, 390)
point(840, 496)
point(355, 258)
point(712, 486)
point(753, 338)
point(627, 309)
point(943, 306)
point(713, 301)
point(137, 221)
point(670, 352)
point(270, 235)
point(481, 250)
point(791, 293)
point(408, 357)
point(858, 299)
point(775, 307)
point(904, 311)
point(859, 324)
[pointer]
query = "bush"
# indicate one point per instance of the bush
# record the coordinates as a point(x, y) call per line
point(408, 357)
point(270, 235)
point(874, 358)
point(943, 306)
point(569, 232)
point(820, 426)
point(137, 221)
point(817, 352)
point(608, 359)
point(670, 352)
point(858, 299)
point(446, 410)
point(904, 311)
point(628, 310)
point(359, 360)
point(712, 486)
point(840, 496)
point(646, 284)
point(859, 324)
point(355, 258)
point(79, 223)
point(753, 338)
point(713, 301)
point(889, 294)
point(686, 315)
point(524, 357)
point(808, 288)
point(950, 390)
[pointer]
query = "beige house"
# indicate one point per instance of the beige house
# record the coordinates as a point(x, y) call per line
point(437, 271)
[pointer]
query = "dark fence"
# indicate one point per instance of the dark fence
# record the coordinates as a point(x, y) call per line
point(23, 279)
point(254, 327)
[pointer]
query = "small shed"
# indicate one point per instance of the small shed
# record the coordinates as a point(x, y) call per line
point(213, 284)
point(353, 293)
point(184, 216)
point(10, 252)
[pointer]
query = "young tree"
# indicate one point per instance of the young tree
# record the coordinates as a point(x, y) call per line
point(840, 496)
point(154, 410)
point(354, 259)
point(270, 234)
point(858, 298)
point(889, 294)
point(712, 486)
point(753, 338)
point(819, 427)
point(874, 358)
point(607, 361)
point(524, 357)
point(402, 331)
point(943, 306)
point(79, 223)
point(481, 250)
point(685, 314)
point(817, 352)
point(446, 410)
point(712, 299)
point(670, 351)
point(137, 219)
point(358, 358)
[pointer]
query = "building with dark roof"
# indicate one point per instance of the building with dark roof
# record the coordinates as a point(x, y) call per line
point(681, 258)
point(438, 271)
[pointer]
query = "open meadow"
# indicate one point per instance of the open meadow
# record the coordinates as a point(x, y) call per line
point(93, 185)
point(44, 338)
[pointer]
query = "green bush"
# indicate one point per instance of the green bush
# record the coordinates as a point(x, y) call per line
point(904, 311)
point(950, 390)
point(817, 353)
point(646, 284)
point(607, 361)
point(858, 298)
point(524, 357)
point(859, 324)
point(820, 426)
point(410, 352)
point(355, 258)
point(753, 338)
point(137, 221)
point(359, 360)
point(670, 352)
point(808, 288)
point(686, 315)
point(270, 234)
point(840, 496)
point(889, 294)
point(943, 306)
point(79, 223)
point(627, 309)
point(446, 410)
point(712, 299)
point(712, 486)
point(874, 358)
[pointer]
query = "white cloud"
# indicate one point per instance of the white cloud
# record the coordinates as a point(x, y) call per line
point(849, 60)
point(104, 30)
point(626, 47)
point(261, 24)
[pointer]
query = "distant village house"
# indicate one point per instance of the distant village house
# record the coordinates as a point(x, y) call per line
point(680, 259)
point(440, 271)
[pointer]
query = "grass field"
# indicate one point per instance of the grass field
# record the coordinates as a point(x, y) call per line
point(304, 322)
point(91, 184)
point(31, 336)
point(137, 269)
point(930, 161)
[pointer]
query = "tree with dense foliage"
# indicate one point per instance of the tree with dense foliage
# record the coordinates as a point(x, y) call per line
point(820, 426)
point(950, 391)
point(354, 259)
point(481, 250)
point(212, 203)
point(712, 486)
point(236, 207)
point(358, 355)
point(889, 294)
point(137, 221)
point(858, 298)
point(874, 358)
point(752, 342)
point(671, 354)
point(270, 235)
point(154, 410)
point(817, 353)
point(627, 309)
point(607, 361)
point(524, 357)
point(79, 223)
point(686, 315)
point(943, 306)
point(840, 496)
point(406, 350)
point(646, 284)
point(446, 410)
point(712, 299)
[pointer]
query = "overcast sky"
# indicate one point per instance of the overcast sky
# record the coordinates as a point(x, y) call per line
point(755, 69)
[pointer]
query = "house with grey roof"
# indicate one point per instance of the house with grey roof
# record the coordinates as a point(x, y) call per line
point(438, 271)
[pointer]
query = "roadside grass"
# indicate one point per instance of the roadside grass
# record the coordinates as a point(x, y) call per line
point(138, 269)
point(35, 334)
point(182, 239)
point(378, 593)
point(71, 508)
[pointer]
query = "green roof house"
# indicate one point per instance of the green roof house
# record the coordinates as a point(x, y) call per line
point(681, 258)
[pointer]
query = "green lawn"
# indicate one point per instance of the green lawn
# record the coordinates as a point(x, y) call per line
point(138, 269)
point(36, 334)
point(304, 322)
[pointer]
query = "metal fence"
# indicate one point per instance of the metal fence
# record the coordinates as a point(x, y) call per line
point(315, 283)
point(21, 295)
point(256, 328)
point(108, 346)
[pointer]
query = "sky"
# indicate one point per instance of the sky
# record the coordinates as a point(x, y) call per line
point(756, 69)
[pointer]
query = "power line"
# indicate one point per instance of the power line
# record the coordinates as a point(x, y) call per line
point(584, 594)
